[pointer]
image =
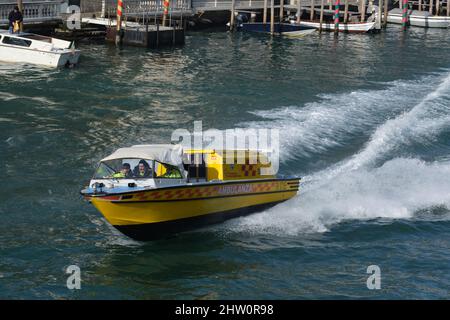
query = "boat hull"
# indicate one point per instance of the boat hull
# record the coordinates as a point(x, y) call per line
point(43, 58)
point(153, 214)
point(343, 27)
point(421, 21)
point(160, 230)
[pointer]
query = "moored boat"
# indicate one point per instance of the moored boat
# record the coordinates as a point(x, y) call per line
point(287, 29)
point(37, 49)
point(419, 19)
point(352, 27)
point(171, 189)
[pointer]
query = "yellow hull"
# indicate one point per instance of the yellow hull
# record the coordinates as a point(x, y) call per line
point(140, 214)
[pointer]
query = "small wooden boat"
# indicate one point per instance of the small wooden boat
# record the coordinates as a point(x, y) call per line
point(419, 19)
point(169, 191)
point(352, 27)
point(287, 29)
point(37, 49)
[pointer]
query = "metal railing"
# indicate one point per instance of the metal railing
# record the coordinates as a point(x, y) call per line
point(34, 12)
point(108, 8)
point(217, 5)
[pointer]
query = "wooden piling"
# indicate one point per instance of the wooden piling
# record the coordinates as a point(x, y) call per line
point(386, 12)
point(265, 12)
point(299, 10)
point(346, 11)
point(281, 10)
point(20, 5)
point(272, 16)
point(311, 16)
point(166, 5)
point(431, 7)
point(322, 3)
point(437, 7)
point(119, 22)
point(233, 5)
point(405, 14)
point(363, 10)
point(337, 5)
point(448, 8)
point(380, 14)
point(420, 5)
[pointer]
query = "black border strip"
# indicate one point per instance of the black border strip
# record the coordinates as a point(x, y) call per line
point(203, 198)
point(99, 195)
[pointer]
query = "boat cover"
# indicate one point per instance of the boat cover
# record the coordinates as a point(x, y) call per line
point(164, 153)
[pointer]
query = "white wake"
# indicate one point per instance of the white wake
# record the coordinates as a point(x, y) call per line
point(374, 182)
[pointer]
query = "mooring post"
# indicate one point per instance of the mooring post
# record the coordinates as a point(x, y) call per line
point(337, 5)
point(322, 3)
point(166, 5)
point(448, 8)
point(272, 16)
point(20, 5)
point(103, 13)
point(157, 34)
point(311, 15)
point(420, 5)
point(437, 7)
point(233, 5)
point(431, 7)
point(281, 11)
point(380, 14)
point(379, 21)
point(363, 10)
point(119, 22)
point(346, 11)
point(265, 12)
point(386, 12)
point(405, 14)
point(299, 10)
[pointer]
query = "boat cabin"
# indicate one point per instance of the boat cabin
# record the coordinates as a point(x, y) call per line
point(33, 41)
point(163, 165)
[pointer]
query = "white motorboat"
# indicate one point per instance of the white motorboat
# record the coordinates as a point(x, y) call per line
point(419, 19)
point(353, 27)
point(37, 49)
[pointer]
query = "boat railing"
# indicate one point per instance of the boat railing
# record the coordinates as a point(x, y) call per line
point(34, 11)
point(218, 5)
point(425, 6)
point(108, 8)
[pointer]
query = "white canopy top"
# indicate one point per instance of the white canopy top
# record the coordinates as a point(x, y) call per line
point(164, 153)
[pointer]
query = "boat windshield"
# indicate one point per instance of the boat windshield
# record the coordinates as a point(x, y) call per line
point(136, 169)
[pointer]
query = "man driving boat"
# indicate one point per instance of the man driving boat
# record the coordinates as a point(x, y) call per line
point(172, 173)
point(142, 170)
point(124, 173)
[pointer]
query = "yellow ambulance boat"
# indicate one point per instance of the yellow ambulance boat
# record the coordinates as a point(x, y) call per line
point(151, 191)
